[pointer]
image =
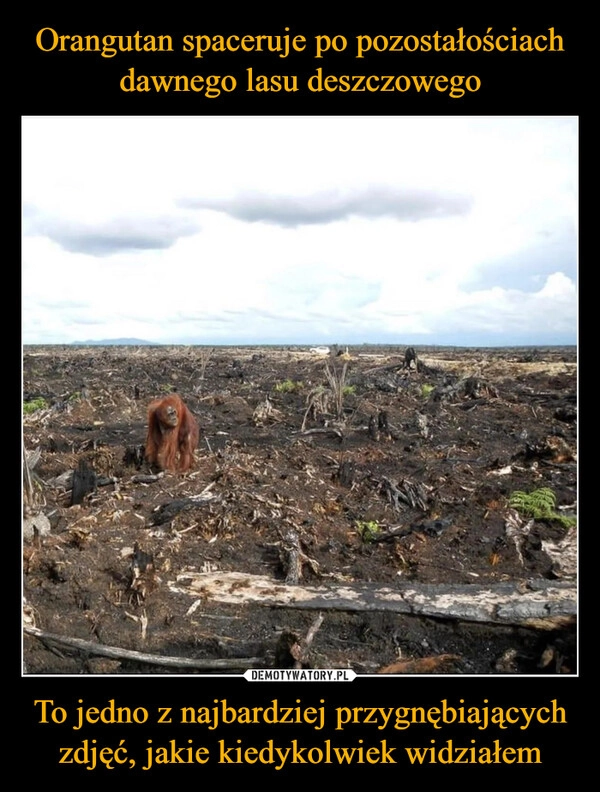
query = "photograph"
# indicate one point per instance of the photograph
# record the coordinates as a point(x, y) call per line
point(300, 394)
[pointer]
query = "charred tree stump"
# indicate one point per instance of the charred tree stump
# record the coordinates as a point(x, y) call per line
point(84, 482)
point(134, 456)
point(293, 558)
point(382, 424)
point(373, 430)
point(410, 357)
point(345, 474)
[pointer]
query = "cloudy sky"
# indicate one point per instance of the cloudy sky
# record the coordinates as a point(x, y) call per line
point(225, 230)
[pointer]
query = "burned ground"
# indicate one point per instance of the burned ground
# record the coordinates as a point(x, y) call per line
point(352, 473)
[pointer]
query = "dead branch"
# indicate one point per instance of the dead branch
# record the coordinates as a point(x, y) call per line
point(204, 356)
point(147, 478)
point(317, 403)
point(168, 511)
point(265, 413)
point(429, 527)
point(116, 653)
point(291, 647)
point(27, 475)
point(322, 430)
point(389, 367)
point(422, 665)
point(472, 388)
point(337, 379)
point(407, 494)
point(301, 650)
point(273, 504)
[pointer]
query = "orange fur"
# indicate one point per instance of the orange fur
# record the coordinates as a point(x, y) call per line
point(173, 434)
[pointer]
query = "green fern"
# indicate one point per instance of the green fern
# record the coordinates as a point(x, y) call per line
point(539, 504)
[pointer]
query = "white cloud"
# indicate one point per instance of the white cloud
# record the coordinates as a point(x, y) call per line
point(301, 229)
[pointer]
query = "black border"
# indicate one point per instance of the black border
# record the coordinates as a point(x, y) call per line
point(512, 84)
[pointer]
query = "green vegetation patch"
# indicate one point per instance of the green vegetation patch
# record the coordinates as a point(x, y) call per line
point(368, 530)
point(539, 504)
point(288, 386)
point(34, 405)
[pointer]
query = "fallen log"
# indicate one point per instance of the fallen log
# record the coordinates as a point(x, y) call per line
point(540, 604)
point(388, 367)
point(116, 653)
